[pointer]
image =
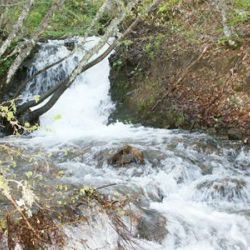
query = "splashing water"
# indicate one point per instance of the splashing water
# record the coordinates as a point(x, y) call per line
point(199, 185)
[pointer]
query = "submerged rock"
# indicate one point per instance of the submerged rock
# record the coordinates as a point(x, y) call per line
point(234, 134)
point(70, 45)
point(227, 189)
point(152, 226)
point(127, 155)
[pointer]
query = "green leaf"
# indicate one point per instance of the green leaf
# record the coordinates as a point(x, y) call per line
point(27, 125)
point(13, 164)
point(29, 174)
point(10, 116)
point(36, 98)
point(4, 109)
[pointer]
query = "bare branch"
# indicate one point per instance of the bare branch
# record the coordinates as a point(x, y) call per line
point(16, 27)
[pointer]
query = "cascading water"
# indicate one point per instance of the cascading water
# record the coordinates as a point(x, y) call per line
point(193, 191)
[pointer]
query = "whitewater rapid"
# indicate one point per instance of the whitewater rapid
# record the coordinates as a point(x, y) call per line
point(199, 184)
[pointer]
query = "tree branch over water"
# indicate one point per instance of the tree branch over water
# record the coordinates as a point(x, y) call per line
point(112, 37)
point(111, 32)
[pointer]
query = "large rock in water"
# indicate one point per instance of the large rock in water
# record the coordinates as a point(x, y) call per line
point(152, 226)
point(127, 155)
point(234, 134)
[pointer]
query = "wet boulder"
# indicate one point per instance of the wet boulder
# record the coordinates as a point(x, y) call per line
point(152, 226)
point(70, 45)
point(127, 155)
point(246, 140)
point(234, 134)
point(227, 189)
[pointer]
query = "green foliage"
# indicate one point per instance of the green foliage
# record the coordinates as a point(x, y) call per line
point(167, 5)
point(87, 191)
point(6, 62)
point(72, 19)
point(36, 98)
point(35, 16)
point(29, 174)
point(136, 71)
point(166, 11)
point(154, 44)
point(103, 23)
point(240, 12)
point(118, 64)
point(8, 114)
point(126, 43)
point(4, 185)
point(145, 104)
point(5, 65)
point(180, 119)
point(231, 42)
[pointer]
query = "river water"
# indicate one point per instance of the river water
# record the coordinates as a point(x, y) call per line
point(192, 193)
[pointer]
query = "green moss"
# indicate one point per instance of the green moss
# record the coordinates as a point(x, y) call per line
point(35, 17)
point(4, 66)
point(6, 63)
point(153, 46)
point(167, 6)
point(73, 19)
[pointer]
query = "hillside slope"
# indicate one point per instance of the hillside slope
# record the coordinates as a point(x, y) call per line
point(179, 70)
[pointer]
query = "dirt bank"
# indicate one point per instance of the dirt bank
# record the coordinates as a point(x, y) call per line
point(178, 70)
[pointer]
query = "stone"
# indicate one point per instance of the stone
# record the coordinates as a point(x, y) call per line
point(70, 45)
point(246, 140)
point(127, 155)
point(234, 134)
point(152, 226)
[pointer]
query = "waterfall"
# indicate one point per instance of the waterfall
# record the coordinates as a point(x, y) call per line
point(83, 108)
point(194, 190)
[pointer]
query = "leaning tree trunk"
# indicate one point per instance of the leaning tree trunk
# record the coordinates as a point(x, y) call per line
point(83, 66)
